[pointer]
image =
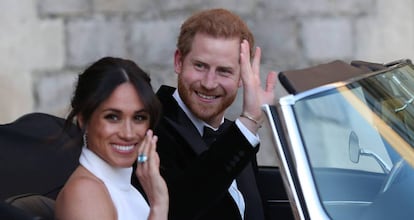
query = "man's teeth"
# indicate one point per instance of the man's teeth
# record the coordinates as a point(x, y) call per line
point(206, 96)
point(123, 148)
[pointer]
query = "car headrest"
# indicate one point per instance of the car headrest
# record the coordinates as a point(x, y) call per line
point(37, 206)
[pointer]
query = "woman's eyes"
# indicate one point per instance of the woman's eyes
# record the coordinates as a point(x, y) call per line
point(112, 117)
point(141, 117)
point(136, 118)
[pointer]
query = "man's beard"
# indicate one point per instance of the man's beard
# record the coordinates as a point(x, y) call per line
point(203, 111)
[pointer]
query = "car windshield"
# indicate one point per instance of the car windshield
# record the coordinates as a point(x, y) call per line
point(359, 138)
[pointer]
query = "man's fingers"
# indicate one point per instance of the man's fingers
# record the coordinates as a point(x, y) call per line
point(245, 56)
point(256, 61)
point(271, 81)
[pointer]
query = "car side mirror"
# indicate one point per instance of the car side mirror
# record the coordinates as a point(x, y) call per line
point(354, 148)
point(355, 152)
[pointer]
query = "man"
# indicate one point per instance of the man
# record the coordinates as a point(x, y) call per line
point(213, 180)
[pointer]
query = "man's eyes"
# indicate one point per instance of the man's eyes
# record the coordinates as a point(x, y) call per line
point(199, 66)
point(225, 72)
point(219, 70)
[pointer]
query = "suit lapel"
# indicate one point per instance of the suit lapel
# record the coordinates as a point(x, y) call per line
point(188, 131)
point(190, 135)
point(176, 117)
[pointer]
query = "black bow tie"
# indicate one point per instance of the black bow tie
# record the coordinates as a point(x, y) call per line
point(210, 135)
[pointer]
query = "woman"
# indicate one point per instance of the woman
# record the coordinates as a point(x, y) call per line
point(116, 108)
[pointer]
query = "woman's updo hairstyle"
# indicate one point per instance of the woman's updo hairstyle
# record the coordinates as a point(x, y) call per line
point(98, 82)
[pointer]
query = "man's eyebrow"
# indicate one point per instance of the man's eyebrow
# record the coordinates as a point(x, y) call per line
point(227, 68)
point(194, 60)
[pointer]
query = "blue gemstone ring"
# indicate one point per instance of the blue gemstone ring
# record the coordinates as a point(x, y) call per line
point(142, 158)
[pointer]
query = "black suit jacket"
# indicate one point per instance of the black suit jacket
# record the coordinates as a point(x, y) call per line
point(198, 176)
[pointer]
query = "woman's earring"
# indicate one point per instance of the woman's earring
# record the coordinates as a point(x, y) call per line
point(85, 140)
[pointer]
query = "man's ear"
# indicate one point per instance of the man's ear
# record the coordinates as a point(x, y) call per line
point(178, 62)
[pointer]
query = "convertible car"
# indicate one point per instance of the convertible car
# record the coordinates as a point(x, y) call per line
point(344, 138)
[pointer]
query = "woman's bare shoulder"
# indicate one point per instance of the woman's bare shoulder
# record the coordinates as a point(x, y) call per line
point(84, 196)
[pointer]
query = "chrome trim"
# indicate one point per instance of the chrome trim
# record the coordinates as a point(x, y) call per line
point(397, 62)
point(397, 166)
point(285, 171)
point(292, 99)
point(278, 200)
point(331, 203)
point(314, 208)
point(385, 168)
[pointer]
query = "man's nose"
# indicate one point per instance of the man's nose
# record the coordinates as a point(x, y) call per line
point(209, 80)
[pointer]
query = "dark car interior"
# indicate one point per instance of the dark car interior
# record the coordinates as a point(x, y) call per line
point(272, 189)
point(36, 160)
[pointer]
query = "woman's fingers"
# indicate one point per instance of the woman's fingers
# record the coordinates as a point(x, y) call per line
point(148, 172)
point(148, 149)
point(143, 148)
point(153, 162)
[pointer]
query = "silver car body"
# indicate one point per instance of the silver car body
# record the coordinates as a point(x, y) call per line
point(346, 148)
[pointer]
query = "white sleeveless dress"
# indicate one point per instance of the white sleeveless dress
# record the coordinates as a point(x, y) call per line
point(129, 203)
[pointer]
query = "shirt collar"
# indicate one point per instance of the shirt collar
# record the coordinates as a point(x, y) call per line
point(199, 124)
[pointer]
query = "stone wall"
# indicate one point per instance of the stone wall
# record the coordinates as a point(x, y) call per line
point(45, 43)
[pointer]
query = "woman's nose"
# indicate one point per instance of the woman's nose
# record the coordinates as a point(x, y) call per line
point(126, 130)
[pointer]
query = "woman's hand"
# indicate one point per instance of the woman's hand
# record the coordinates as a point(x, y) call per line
point(149, 176)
